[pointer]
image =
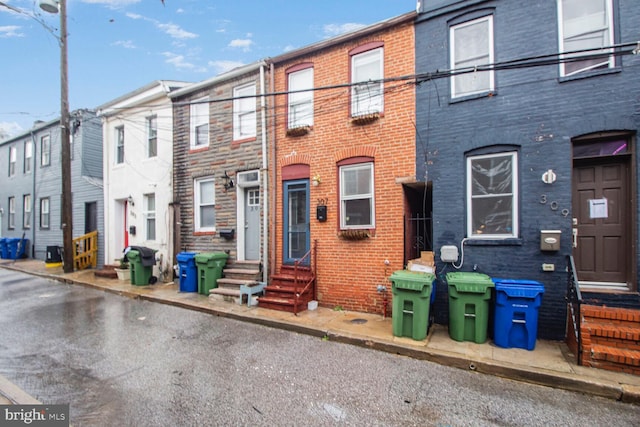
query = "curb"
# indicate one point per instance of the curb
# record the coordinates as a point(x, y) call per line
point(14, 394)
point(559, 380)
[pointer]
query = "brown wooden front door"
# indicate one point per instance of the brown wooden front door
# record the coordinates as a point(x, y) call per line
point(601, 223)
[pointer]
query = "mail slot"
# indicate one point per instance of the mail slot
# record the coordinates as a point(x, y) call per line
point(550, 240)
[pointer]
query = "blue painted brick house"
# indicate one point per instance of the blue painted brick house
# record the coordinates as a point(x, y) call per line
point(521, 140)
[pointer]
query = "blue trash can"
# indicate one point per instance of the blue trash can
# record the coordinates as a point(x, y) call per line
point(187, 271)
point(516, 313)
point(4, 249)
point(12, 247)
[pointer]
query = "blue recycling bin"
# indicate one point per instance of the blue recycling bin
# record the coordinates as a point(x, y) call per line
point(4, 249)
point(16, 247)
point(187, 271)
point(516, 313)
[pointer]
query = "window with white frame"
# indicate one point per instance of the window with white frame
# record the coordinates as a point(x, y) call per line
point(585, 25)
point(357, 207)
point(367, 72)
point(13, 156)
point(204, 204)
point(492, 196)
point(44, 213)
point(26, 211)
point(28, 156)
point(199, 119)
point(120, 145)
point(45, 150)
point(150, 215)
point(244, 112)
point(300, 99)
point(152, 136)
point(471, 45)
point(12, 212)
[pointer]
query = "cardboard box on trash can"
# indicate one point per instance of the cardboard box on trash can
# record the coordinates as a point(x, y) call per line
point(424, 264)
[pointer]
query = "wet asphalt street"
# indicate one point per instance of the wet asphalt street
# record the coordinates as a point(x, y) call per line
point(125, 362)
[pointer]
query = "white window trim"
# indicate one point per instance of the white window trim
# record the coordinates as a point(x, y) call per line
point(197, 204)
point(45, 154)
point(371, 196)
point(150, 214)
point(152, 119)
point(13, 159)
point(45, 213)
point(300, 98)
point(118, 130)
point(452, 47)
point(239, 92)
point(514, 205)
point(611, 61)
point(28, 156)
point(26, 208)
point(12, 213)
point(196, 120)
point(379, 52)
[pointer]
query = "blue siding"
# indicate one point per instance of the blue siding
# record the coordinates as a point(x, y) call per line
point(532, 110)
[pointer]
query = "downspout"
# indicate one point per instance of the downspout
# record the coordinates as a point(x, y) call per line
point(265, 173)
point(33, 203)
point(272, 200)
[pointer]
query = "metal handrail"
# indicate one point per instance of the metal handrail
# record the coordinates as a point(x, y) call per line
point(574, 302)
point(296, 278)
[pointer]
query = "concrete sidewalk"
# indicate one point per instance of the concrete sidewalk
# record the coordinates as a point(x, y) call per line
point(549, 364)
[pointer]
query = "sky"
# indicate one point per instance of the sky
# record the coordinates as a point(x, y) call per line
point(118, 46)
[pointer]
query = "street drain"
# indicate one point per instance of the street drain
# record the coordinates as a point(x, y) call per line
point(358, 321)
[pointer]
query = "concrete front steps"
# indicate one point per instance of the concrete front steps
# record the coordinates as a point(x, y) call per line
point(235, 275)
point(611, 338)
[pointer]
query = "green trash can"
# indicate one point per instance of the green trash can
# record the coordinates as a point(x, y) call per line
point(140, 274)
point(210, 265)
point(469, 295)
point(411, 298)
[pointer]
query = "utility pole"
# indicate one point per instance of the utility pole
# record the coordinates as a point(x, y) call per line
point(55, 6)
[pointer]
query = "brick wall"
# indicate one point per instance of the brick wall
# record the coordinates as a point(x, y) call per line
point(532, 112)
point(348, 272)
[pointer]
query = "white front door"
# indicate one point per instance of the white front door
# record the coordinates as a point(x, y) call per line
point(252, 223)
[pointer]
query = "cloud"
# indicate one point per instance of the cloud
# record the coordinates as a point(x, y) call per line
point(8, 129)
point(175, 31)
point(220, 67)
point(332, 30)
point(10, 31)
point(113, 4)
point(244, 44)
point(127, 44)
point(180, 62)
point(172, 30)
point(288, 48)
